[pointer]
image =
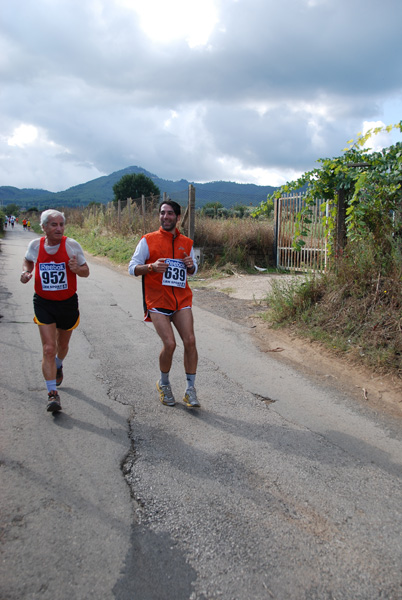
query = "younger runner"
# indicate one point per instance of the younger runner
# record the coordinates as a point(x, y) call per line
point(164, 258)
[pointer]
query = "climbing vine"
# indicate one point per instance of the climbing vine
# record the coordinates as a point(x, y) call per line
point(371, 186)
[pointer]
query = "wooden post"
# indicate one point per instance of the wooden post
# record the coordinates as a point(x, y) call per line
point(340, 241)
point(184, 218)
point(276, 229)
point(143, 213)
point(340, 223)
point(129, 200)
point(118, 214)
point(191, 211)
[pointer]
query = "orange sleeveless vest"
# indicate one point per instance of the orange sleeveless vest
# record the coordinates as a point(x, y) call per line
point(163, 244)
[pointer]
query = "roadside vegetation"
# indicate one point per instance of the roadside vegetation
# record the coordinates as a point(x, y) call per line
point(356, 306)
point(353, 309)
point(2, 221)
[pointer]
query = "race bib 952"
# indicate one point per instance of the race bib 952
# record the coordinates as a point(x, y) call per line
point(53, 276)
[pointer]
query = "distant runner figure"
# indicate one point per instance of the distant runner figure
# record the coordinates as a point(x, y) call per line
point(164, 258)
point(57, 260)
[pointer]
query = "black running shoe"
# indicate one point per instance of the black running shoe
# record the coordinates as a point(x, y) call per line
point(53, 403)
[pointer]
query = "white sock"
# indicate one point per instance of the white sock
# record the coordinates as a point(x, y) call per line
point(51, 385)
point(164, 378)
point(190, 378)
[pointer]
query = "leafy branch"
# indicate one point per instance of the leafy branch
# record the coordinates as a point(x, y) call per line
point(369, 181)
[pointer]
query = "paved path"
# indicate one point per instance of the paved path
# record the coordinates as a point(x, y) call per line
point(277, 488)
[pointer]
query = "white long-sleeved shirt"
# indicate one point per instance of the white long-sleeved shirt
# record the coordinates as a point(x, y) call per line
point(141, 256)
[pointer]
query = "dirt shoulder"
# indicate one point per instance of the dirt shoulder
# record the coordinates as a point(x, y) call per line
point(238, 298)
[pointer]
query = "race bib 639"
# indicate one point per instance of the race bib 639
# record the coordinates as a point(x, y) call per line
point(175, 274)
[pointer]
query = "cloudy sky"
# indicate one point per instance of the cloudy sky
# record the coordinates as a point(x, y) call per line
point(205, 90)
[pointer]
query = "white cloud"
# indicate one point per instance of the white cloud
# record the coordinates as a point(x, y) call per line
point(169, 121)
point(28, 158)
point(257, 176)
point(164, 22)
point(377, 141)
point(92, 87)
point(23, 135)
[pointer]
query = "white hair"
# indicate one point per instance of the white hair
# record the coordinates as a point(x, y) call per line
point(45, 216)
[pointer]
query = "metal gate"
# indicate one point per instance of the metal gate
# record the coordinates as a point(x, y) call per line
point(313, 256)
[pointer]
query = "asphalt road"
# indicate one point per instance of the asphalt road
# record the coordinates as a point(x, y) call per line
point(278, 487)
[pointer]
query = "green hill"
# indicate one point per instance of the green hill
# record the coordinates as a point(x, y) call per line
point(101, 190)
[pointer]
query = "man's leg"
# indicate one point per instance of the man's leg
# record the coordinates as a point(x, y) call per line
point(184, 323)
point(62, 342)
point(48, 337)
point(164, 329)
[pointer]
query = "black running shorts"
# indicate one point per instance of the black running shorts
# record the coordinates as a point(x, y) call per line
point(64, 313)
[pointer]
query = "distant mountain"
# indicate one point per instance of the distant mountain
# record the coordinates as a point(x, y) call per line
point(101, 190)
point(13, 195)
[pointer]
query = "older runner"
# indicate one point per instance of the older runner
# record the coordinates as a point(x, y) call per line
point(55, 260)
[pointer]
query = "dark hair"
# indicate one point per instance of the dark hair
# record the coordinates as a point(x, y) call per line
point(176, 207)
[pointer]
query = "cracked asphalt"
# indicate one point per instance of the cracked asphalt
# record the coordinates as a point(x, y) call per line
point(279, 487)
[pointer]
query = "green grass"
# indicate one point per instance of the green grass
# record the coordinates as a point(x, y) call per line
point(353, 310)
point(119, 249)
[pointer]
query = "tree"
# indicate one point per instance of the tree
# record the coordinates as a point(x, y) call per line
point(211, 209)
point(240, 210)
point(12, 209)
point(134, 186)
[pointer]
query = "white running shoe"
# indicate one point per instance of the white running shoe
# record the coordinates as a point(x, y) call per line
point(190, 398)
point(165, 394)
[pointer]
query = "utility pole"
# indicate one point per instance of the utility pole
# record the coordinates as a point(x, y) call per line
point(191, 211)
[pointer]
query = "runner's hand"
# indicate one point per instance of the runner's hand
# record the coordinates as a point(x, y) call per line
point(160, 266)
point(188, 261)
point(72, 263)
point(25, 276)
